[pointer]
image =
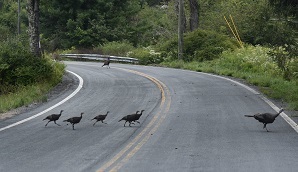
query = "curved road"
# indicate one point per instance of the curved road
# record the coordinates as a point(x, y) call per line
point(192, 122)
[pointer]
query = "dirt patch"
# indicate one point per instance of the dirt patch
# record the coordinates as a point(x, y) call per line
point(68, 82)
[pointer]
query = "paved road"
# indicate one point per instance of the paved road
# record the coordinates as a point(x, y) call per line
point(192, 122)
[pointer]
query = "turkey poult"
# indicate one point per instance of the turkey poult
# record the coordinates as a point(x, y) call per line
point(265, 118)
point(53, 117)
point(74, 120)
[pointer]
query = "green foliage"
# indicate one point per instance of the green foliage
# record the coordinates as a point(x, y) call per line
point(285, 7)
point(255, 21)
point(252, 64)
point(286, 58)
point(115, 48)
point(9, 18)
point(146, 56)
point(86, 24)
point(153, 24)
point(18, 67)
point(250, 59)
point(200, 45)
point(24, 96)
point(283, 33)
point(206, 45)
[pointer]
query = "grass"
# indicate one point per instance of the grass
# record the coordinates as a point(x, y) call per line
point(253, 65)
point(24, 96)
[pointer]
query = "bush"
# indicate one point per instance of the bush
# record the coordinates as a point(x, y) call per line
point(200, 45)
point(206, 45)
point(18, 67)
point(286, 58)
point(146, 56)
point(250, 59)
point(115, 48)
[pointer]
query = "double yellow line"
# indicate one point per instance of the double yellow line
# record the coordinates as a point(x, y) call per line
point(116, 162)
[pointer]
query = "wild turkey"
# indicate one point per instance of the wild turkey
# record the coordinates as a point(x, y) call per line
point(100, 118)
point(53, 117)
point(74, 120)
point(265, 118)
point(129, 118)
point(106, 63)
point(137, 116)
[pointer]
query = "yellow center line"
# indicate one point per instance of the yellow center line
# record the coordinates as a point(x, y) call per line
point(140, 142)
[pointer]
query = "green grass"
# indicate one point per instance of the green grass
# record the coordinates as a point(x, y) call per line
point(24, 96)
point(253, 65)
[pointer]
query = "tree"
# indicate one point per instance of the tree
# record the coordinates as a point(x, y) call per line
point(183, 24)
point(33, 29)
point(86, 24)
point(285, 7)
point(180, 28)
point(194, 15)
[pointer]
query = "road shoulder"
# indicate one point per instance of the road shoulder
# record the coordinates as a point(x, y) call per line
point(69, 82)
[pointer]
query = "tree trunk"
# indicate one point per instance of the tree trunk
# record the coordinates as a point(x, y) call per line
point(194, 15)
point(183, 17)
point(181, 28)
point(33, 29)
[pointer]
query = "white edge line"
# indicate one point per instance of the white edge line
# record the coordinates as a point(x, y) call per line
point(56, 105)
point(271, 104)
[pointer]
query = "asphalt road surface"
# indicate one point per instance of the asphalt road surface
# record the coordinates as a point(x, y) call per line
point(192, 122)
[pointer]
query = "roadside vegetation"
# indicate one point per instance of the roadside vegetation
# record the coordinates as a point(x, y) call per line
point(23, 78)
point(266, 56)
point(256, 67)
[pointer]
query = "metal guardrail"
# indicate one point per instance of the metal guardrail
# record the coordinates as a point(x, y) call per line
point(101, 57)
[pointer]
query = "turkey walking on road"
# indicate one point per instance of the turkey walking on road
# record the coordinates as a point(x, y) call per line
point(265, 118)
point(106, 63)
point(137, 116)
point(100, 118)
point(129, 118)
point(74, 120)
point(53, 117)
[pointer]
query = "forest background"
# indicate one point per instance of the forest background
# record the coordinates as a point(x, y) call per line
point(264, 54)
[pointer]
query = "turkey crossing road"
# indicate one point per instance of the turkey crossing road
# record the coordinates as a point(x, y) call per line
point(192, 122)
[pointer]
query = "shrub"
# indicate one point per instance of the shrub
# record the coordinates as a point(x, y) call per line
point(115, 48)
point(206, 45)
point(18, 67)
point(250, 59)
point(200, 45)
point(146, 56)
point(286, 58)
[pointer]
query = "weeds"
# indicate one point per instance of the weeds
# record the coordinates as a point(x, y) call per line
point(252, 64)
point(24, 96)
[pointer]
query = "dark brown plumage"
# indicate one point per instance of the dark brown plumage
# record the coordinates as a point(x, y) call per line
point(53, 117)
point(129, 118)
point(137, 116)
point(265, 118)
point(100, 118)
point(106, 63)
point(74, 120)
